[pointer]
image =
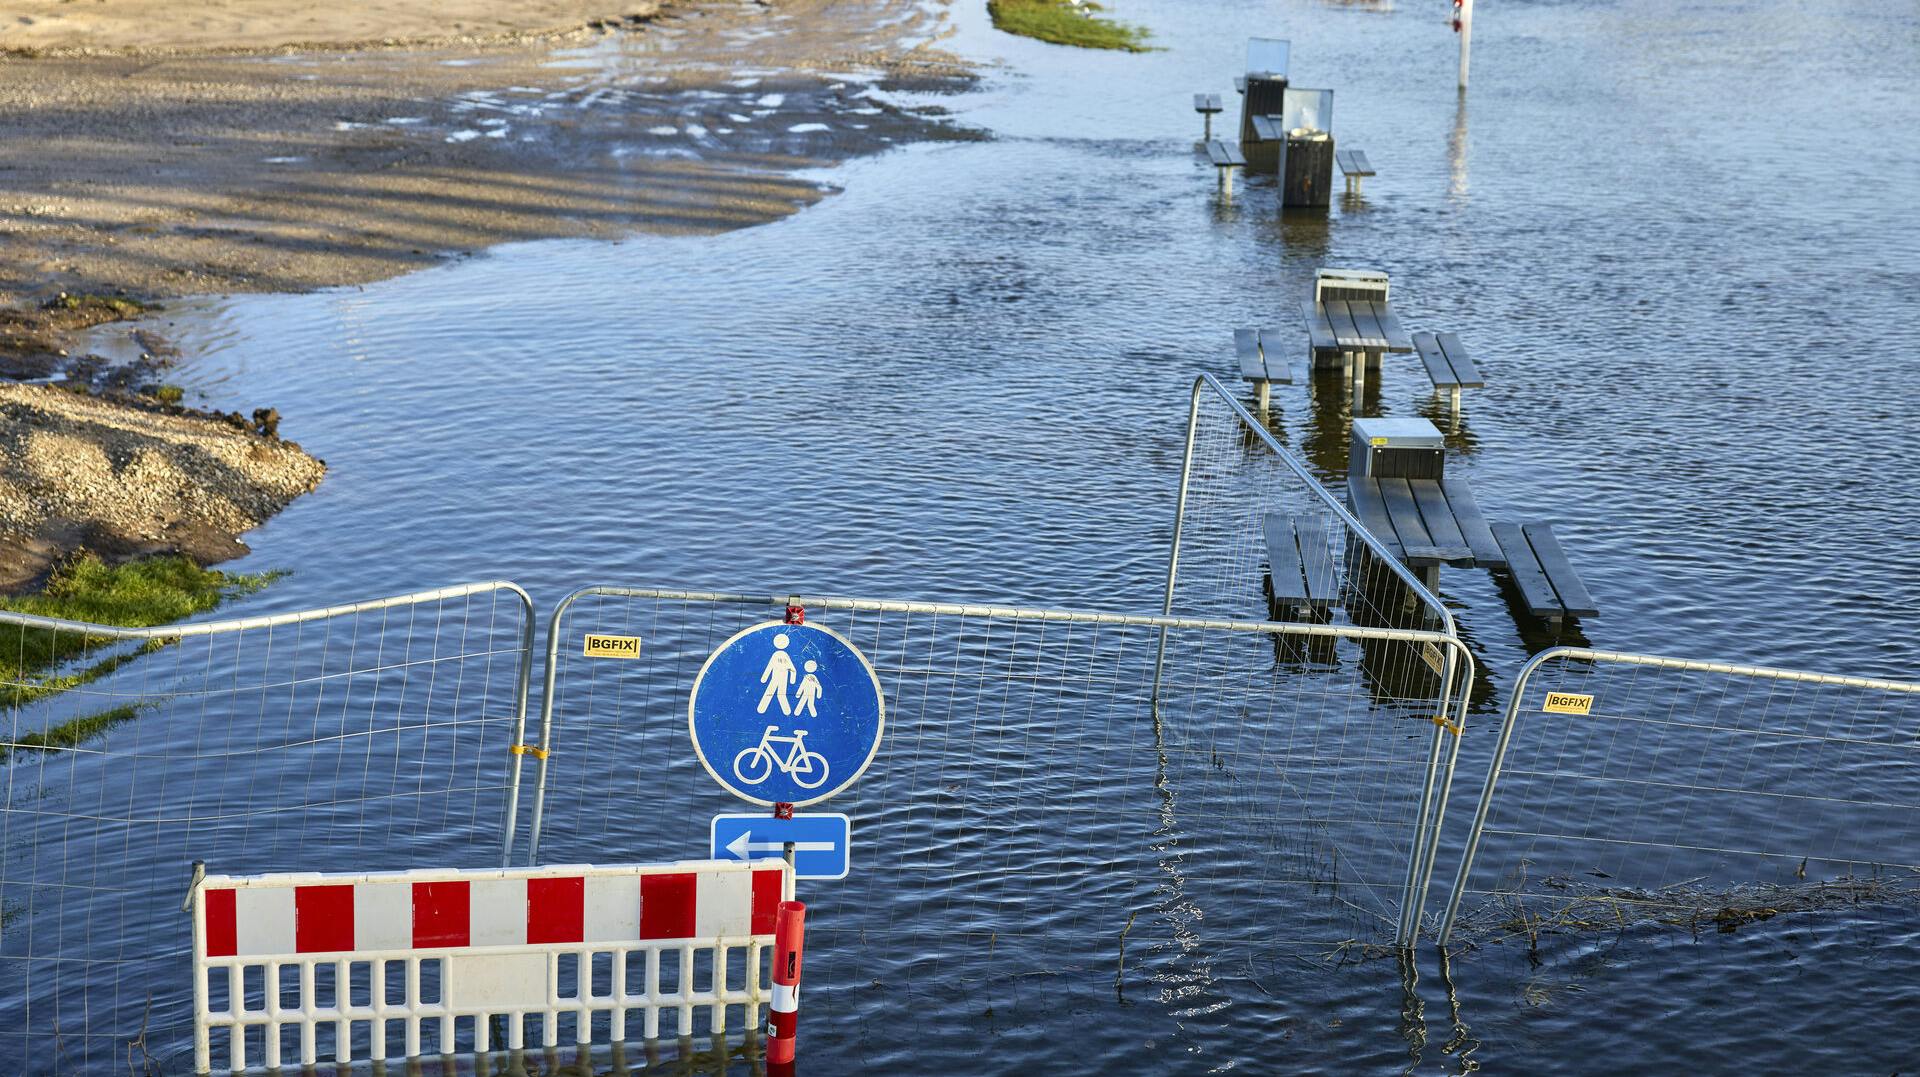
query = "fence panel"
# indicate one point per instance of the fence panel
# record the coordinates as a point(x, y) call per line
point(1032, 816)
point(1628, 789)
point(1235, 475)
point(374, 736)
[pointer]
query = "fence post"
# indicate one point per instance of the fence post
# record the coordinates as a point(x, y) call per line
point(1179, 521)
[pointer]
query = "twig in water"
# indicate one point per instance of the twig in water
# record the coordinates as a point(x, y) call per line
point(1120, 972)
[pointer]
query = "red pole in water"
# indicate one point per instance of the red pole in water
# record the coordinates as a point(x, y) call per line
point(789, 930)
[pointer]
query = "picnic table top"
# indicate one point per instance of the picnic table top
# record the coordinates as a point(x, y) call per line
point(1426, 521)
point(1355, 325)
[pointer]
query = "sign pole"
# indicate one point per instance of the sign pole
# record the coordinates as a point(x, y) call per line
point(1464, 23)
point(796, 615)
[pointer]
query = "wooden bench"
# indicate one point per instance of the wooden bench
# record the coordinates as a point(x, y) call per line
point(1354, 166)
point(1447, 365)
point(1206, 104)
point(1226, 157)
point(1548, 586)
point(1303, 584)
point(1261, 360)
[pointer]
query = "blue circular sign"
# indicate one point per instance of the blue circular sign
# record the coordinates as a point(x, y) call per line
point(786, 714)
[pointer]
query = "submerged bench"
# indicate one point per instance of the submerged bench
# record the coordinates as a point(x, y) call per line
point(1448, 365)
point(1261, 360)
point(1226, 157)
point(1300, 565)
point(1206, 104)
point(1353, 165)
point(1548, 586)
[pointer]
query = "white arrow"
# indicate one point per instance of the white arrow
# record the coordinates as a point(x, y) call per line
point(744, 844)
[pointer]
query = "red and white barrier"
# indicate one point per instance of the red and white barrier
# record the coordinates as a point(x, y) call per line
point(435, 949)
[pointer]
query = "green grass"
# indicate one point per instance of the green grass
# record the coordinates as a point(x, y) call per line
point(137, 594)
point(169, 394)
point(1059, 22)
point(71, 734)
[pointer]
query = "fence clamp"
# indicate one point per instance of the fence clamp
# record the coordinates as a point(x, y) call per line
point(529, 749)
point(1441, 721)
point(193, 884)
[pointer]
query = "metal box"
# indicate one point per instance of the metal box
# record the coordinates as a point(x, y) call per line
point(1393, 448)
point(1349, 284)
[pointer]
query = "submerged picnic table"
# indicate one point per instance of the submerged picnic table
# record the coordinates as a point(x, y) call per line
point(1354, 333)
point(1427, 523)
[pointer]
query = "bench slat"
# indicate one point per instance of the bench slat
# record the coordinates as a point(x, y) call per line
point(1206, 102)
point(1371, 335)
point(1416, 543)
point(1316, 560)
point(1273, 354)
point(1283, 561)
point(1267, 128)
point(1538, 594)
point(1246, 345)
point(1345, 333)
point(1464, 371)
point(1319, 329)
point(1553, 561)
point(1364, 495)
point(1217, 153)
point(1390, 327)
point(1434, 359)
point(1361, 166)
point(1473, 524)
point(1438, 516)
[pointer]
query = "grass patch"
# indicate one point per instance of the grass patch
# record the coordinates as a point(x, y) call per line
point(71, 734)
point(137, 594)
point(169, 394)
point(1061, 22)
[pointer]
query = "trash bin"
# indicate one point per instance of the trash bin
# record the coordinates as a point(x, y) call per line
point(1306, 162)
point(1264, 94)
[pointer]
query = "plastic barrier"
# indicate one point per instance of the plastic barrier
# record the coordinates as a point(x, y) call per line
point(344, 962)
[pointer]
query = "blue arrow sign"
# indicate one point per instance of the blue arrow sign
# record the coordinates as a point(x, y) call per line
point(786, 714)
point(822, 841)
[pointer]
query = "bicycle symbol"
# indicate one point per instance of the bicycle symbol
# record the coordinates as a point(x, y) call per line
point(755, 765)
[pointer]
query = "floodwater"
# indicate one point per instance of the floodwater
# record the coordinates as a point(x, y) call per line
point(1677, 239)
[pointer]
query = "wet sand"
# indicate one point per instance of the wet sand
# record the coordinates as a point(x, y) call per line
point(167, 175)
point(249, 146)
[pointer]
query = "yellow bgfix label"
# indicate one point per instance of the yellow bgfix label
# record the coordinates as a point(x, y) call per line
point(612, 647)
point(1567, 703)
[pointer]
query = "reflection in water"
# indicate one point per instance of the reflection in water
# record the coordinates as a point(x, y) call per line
point(1457, 151)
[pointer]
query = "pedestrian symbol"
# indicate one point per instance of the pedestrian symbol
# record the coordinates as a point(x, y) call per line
point(785, 713)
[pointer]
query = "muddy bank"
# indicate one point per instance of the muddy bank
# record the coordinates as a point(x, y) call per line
point(83, 473)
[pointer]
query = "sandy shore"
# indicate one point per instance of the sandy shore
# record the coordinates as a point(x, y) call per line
point(120, 26)
point(249, 146)
point(179, 174)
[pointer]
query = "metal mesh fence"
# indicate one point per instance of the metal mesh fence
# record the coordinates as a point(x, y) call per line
point(365, 737)
point(1033, 814)
point(1626, 789)
point(1242, 491)
point(1237, 474)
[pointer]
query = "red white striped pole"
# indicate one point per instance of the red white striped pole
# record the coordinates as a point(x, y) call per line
point(789, 932)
